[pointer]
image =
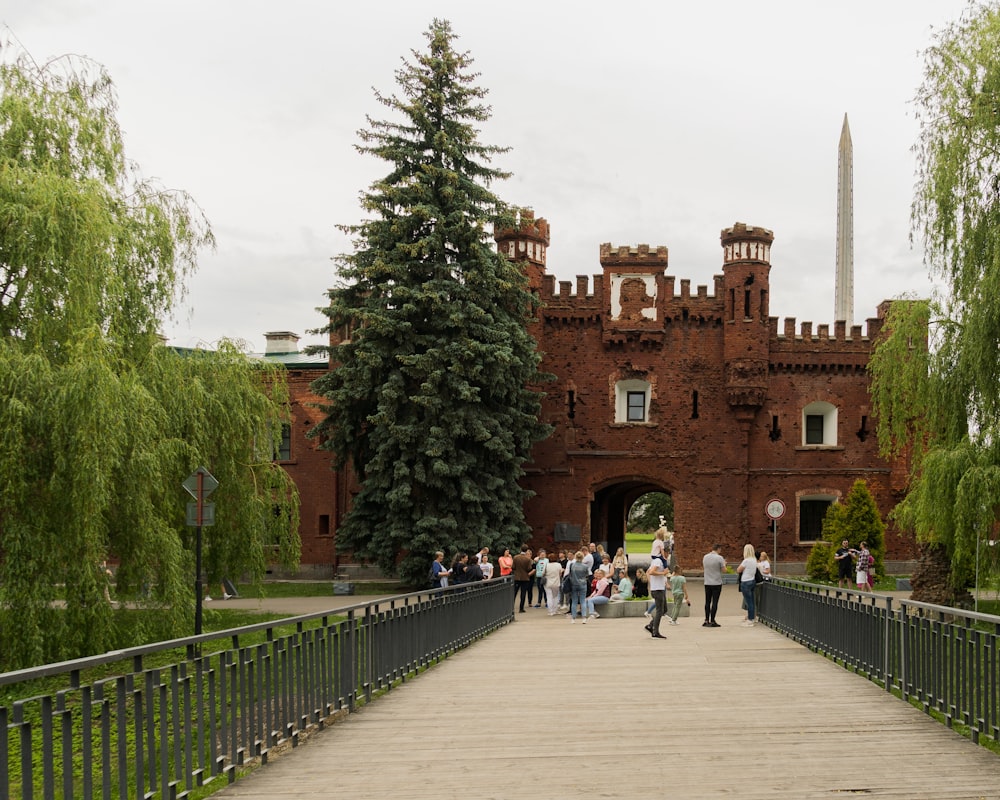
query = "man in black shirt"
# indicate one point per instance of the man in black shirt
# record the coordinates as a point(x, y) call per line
point(845, 565)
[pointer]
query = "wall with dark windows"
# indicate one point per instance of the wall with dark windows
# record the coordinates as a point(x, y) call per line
point(660, 386)
point(699, 394)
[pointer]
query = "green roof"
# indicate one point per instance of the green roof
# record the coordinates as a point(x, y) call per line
point(295, 360)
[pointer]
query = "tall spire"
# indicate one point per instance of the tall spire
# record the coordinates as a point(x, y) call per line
point(843, 306)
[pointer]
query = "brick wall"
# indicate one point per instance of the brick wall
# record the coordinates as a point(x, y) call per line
point(320, 493)
point(725, 390)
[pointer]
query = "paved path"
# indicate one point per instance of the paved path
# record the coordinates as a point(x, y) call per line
point(545, 710)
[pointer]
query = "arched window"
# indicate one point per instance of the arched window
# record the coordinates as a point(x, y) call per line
point(819, 425)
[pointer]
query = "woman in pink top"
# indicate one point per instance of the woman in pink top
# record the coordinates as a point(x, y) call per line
point(506, 563)
point(600, 595)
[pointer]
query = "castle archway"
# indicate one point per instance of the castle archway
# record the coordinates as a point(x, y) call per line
point(610, 506)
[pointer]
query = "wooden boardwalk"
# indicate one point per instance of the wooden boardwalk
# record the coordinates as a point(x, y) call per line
point(545, 710)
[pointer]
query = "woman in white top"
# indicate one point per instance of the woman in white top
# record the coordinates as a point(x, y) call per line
point(764, 565)
point(658, 547)
point(748, 579)
point(553, 580)
point(619, 563)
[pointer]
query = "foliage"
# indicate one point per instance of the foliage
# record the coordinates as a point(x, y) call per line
point(99, 422)
point(645, 513)
point(863, 523)
point(857, 520)
point(431, 400)
point(273, 589)
point(820, 564)
point(935, 396)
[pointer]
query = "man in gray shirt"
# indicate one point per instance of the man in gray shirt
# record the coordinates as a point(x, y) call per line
point(714, 564)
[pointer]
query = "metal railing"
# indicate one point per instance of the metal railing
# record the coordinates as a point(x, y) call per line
point(943, 658)
point(121, 726)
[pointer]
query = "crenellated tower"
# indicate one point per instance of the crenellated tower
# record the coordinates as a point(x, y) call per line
point(661, 386)
point(746, 268)
point(526, 242)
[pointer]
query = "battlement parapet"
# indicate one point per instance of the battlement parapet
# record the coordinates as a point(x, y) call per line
point(566, 294)
point(525, 226)
point(858, 339)
point(554, 290)
point(640, 256)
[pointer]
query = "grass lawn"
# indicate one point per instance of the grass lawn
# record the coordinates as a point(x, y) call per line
point(317, 589)
point(989, 607)
point(638, 542)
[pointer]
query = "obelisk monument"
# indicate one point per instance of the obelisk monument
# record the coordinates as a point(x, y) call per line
point(844, 299)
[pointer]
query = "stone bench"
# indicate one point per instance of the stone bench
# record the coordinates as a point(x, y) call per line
point(633, 608)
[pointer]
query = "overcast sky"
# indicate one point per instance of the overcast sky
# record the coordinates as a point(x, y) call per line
point(635, 122)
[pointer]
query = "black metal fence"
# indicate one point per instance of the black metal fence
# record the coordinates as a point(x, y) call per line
point(118, 726)
point(944, 658)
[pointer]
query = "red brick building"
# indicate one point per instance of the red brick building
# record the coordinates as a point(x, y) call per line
point(658, 388)
point(699, 395)
point(322, 492)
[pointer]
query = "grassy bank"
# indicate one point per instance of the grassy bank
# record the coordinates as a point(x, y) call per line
point(273, 589)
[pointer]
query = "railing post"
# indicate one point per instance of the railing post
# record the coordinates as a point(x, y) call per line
point(886, 680)
point(161, 730)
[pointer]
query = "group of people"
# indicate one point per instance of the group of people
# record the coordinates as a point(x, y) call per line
point(862, 572)
point(751, 570)
point(581, 582)
point(568, 581)
point(464, 569)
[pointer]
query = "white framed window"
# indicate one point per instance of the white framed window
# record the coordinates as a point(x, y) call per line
point(632, 401)
point(819, 425)
point(636, 407)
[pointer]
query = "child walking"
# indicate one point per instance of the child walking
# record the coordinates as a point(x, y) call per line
point(679, 593)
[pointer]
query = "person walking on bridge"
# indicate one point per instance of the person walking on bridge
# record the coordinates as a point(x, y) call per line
point(657, 577)
point(714, 565)
point(748, 580)
point(524, 574)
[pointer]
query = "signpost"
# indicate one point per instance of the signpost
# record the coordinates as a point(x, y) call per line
point(775, 510)
point(199, 484)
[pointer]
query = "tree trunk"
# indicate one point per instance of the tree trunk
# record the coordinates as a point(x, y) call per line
point(931, 581)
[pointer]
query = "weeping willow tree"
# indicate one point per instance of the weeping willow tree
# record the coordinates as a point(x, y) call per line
point(936, 378)
point(100, 423)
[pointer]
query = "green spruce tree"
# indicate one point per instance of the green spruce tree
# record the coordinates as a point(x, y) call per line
point(820, 564)
point(857, 520)
point(863, 523)
point(432, 398)
point(936, 375)
point(99, 422)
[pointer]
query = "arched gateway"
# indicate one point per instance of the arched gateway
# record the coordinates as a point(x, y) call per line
point(610, 508)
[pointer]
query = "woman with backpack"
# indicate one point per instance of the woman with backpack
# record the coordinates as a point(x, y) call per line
point(540, 564)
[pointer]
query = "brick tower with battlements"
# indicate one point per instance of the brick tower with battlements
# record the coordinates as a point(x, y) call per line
point(697, 394)
point(661, 387)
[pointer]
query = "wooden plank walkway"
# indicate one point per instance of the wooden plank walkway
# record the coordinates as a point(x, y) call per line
point(546, 709)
